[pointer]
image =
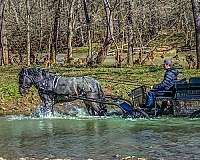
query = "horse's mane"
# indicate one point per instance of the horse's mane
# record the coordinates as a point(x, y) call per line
point(35, 72)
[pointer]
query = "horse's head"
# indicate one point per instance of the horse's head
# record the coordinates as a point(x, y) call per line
point(31, 76)
point(25, 81)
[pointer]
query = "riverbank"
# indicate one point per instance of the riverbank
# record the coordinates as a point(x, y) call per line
point(116, 81)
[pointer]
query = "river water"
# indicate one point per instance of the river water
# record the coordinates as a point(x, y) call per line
point(99, 138)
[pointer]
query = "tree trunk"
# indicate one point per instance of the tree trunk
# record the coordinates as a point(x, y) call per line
point(5, 45)
point(41, 25)
point(130, 34)
point(47, 58)
point(81, 32)
point(28, 34)
point(2, 5)
point(55, 32)
point(18, 26)
point(196, 15)
point(70, 32)
point(109, 34)
point(88, 22)
point(15, 13)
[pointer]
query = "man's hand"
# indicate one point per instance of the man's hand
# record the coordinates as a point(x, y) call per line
point(149, 88)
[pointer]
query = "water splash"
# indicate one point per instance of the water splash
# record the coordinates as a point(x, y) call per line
point(71, 111)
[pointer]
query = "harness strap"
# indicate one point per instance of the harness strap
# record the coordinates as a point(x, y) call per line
point(25, 74)
point(55, 81)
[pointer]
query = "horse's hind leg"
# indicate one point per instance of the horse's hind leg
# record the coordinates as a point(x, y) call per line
point(89, 108)
point(94, 108)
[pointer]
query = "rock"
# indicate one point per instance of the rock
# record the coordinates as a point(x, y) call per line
point(132, 158)
point(116, 157)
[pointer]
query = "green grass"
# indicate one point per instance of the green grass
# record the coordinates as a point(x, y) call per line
point(8, 83)
point(83, 51)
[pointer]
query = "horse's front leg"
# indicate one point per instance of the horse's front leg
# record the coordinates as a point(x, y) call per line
point(48, 103)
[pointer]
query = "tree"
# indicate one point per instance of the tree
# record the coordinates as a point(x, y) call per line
point(70, 30)
point(2, 6)
point(55, 32)
point(196, 15)
point(88, 23)
point(28, 33)
point(5, 45)
point(109, 33)
point(130, 33)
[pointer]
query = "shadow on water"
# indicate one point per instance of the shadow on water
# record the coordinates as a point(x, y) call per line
point(99, 138)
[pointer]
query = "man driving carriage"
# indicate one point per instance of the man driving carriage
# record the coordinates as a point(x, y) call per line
point(166, 84)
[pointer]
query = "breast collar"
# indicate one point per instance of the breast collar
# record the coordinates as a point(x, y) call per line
point(55, 81)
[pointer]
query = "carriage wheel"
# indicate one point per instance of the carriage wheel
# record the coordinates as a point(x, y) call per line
point(195, 114)
point(167, 108)
point(176, 107)
point(140, 114)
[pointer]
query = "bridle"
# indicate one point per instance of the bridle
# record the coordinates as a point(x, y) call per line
point(25, 75)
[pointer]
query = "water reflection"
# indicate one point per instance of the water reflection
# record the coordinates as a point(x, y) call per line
point(47, 126)
point(100, 138)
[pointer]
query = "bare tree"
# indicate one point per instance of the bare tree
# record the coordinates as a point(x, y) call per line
point(70, 30)
point(28, 33)
point(5, 45)
point(55, 32)
point(41, 24)
point(109, 33)
point(2, 6)
point(88, 23)
point(196, 14)
point(108, 24)
point(130, 33)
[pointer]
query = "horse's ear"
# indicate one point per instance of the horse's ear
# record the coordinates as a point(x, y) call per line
point(23, 70)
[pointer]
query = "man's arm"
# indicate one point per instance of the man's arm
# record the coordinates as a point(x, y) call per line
point(168, 81)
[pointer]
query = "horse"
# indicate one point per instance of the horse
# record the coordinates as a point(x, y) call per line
point(53, 89)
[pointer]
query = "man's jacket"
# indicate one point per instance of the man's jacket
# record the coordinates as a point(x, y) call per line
point(169, 80)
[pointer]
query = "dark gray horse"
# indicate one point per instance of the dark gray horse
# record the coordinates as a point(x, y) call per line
point(54, 88)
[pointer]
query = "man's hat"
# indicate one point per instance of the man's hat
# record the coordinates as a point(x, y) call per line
point(168, 61)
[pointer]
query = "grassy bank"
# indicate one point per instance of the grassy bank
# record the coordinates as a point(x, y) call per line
point(117, 81)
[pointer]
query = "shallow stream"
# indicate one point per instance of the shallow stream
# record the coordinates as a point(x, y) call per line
point(99, 138)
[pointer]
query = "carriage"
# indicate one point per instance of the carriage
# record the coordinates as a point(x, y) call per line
point(181, 100)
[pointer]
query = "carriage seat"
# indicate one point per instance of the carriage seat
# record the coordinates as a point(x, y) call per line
point(188, 91)
point(169, 94)
point(194, 82)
